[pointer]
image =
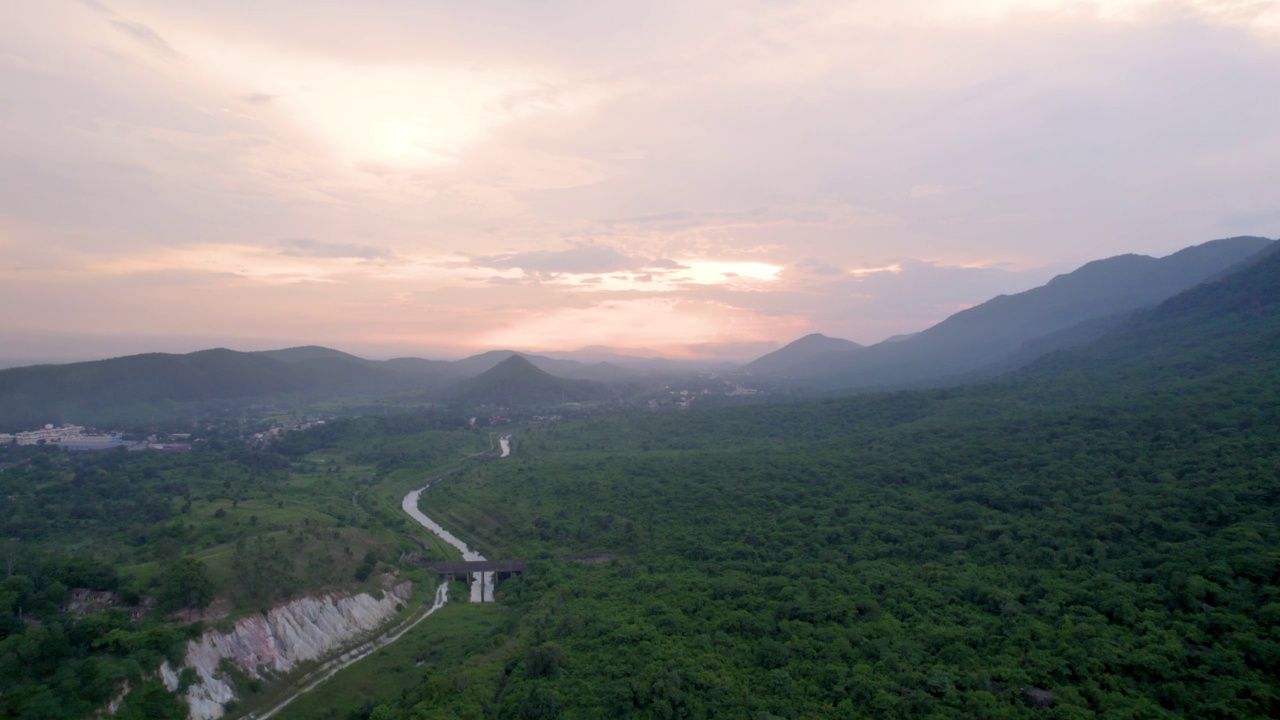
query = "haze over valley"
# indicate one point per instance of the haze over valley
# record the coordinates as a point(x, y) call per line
point(1002, 334)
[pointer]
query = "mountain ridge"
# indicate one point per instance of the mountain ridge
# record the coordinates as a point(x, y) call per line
point(982, 339)
point(1006, 332)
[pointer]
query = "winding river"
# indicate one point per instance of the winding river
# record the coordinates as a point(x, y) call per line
point(327, 669)
point(410, 506)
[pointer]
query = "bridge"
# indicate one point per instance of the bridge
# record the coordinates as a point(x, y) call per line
point(474, 570)
point(474, 566)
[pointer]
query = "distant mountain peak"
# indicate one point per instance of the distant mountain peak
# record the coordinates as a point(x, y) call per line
point(812, 338)
point(308, 353)
point(516, 380)
point(517, 361)
point(804, 351)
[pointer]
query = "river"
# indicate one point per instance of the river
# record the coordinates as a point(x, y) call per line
point(410, 506)
point(327, 669)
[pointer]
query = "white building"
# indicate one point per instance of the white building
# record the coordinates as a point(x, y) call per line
point(49, 434)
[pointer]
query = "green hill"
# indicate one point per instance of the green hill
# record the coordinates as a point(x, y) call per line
point(515, 381)
point(139, 388)
point(559, 367)
point(1221, 328)
point(136, 387)
point(799, 353)
point(984, 338)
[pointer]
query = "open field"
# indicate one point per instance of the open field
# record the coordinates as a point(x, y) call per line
point(451, 637)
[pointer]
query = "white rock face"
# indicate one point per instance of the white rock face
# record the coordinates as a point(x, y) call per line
point(273, 644)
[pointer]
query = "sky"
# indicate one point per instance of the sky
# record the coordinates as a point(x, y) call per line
point(696, 178)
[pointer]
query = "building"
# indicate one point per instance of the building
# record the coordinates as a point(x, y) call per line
point(49, 434)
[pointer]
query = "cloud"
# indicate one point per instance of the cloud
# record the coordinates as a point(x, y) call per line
point(666, 323)
point(663, 264)
point(258, 98)
point(870, 306)
point(146, 36)
point(918, 192)
point(499, 280)
point(581, 259)
point(811, 266)
point(306, 247)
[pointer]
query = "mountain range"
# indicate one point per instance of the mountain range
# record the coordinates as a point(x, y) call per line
point(162, 385)
point(1011, 330)
point(1096, 303)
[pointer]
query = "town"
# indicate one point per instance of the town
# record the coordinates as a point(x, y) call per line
point(77, 438)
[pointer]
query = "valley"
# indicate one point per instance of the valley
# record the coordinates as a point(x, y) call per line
point(1089, 531)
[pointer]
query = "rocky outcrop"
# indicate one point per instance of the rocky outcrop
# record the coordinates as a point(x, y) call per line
point(1039, 697)
point(274, 643)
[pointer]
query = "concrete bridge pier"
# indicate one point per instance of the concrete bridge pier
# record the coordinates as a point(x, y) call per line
point(478, 571)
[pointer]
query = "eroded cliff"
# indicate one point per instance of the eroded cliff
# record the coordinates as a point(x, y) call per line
point(271, 644)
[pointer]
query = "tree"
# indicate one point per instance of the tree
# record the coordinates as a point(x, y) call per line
point(185, 584)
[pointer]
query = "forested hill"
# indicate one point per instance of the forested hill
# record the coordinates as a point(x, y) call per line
point(987, 335)
point(1095, 537)
point(161, 385)
point(516, 381)
point(1220, 328)
point(140, 389)
point(806, 350)
point(137, 384)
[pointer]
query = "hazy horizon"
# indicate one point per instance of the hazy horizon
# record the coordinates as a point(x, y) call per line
point(62, 349)
point(695, 179)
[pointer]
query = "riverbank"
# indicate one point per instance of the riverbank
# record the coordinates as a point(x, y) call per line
point(483, 588)
point(410, 506)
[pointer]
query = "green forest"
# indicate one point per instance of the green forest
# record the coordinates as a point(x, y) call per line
point(221, 531)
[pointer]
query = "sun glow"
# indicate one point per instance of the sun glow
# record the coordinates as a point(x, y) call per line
point(406, 140)
point(399, 115)
point(270, 266)
point(660, 323)
point(721, 272)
